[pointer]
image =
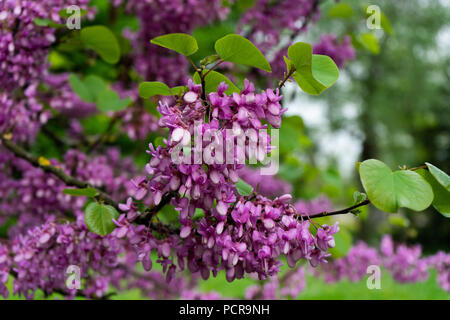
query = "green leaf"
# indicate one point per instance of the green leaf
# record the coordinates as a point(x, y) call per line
point(314, 73)
point(439, 175)
point(441, 201)
point(80, 88)
point(152, 88)
point(98, 218)
point(88, 192)
point(237, 49)
point(212, 81)
point(179, 42)
point(340, 10)
point(46, 23)
point(209, 59)
point(389, 190)
point(300, 54)
point(369, 42)
point(103, 41)
point(109, 100)
point(386, 24)
point(244, 188)
point(288, 63)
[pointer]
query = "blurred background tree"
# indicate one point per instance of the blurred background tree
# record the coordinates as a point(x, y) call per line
point(394, 103)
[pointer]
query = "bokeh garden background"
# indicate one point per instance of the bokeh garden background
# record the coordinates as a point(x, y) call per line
point(391, 102)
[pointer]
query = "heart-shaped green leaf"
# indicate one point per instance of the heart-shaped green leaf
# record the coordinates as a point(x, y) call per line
point(87, 192)
point(103, 41)
point(314, 73)
point(98, 218)
point(441, 201)
point(152, 88)
point(237, 49)
point(324, 70)
point(212, 81)
point(178, 42)
point(389, 190)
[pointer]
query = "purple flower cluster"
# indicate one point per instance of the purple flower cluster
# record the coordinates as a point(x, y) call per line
point(353, 266)
point(5, 266)
point(24, 47)
point(23, 44)
point(42, 255)
point(236, 234)
point(441, 262)
point(250, 240)
point(405, 264)
point(237, 112)
point(22, 117)
point(340, 52)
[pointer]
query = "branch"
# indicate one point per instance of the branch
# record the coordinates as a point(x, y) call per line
point(290, 73)
point(213, 67)
point(313, 10)
point(419, 167)
point(72, 181)
point(343, 211)
point(148, 215)
point(56, 171)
